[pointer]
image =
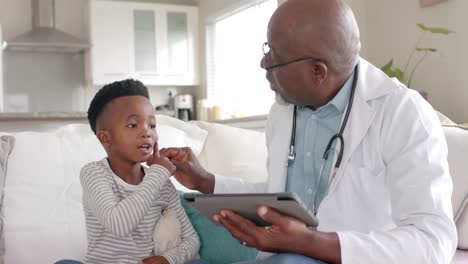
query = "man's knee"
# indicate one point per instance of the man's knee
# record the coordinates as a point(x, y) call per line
point(291, 258)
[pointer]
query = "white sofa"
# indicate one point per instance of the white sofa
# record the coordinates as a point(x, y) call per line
point(42, 218)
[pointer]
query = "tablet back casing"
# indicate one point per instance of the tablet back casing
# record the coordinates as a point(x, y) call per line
point(246, 205)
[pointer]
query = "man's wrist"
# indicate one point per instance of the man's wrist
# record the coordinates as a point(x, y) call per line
point(208, 183)
point(321, 245)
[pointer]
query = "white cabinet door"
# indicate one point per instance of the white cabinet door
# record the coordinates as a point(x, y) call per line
point(176, 33)
point(155, 43)
point(111, 51)
point(181, 44)
point(147, 40)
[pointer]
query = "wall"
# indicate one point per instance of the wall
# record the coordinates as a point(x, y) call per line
point(1, 71)
point(46, 82)
point(68, 91)
point(392, 32)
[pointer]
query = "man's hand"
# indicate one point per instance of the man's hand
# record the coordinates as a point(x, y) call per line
point(286, 235)
point(189, 172)
point(154, 260)
point(282, 236)
point(163, 161)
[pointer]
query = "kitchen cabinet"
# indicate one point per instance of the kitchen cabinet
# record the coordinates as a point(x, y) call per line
point(154, 43)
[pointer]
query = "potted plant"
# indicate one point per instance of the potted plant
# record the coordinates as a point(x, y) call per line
point(417, 56)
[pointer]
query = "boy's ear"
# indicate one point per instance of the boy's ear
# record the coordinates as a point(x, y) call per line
point(104, 137)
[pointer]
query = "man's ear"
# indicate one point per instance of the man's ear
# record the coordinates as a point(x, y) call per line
point(104, 137)
point(320, 71)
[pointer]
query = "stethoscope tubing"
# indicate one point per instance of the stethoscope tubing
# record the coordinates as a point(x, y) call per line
point(338, 137)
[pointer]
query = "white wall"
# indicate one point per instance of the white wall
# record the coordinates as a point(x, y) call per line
point(392, 32)
point(1, 71)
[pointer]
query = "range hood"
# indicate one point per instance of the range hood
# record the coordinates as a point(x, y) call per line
point(44, 37)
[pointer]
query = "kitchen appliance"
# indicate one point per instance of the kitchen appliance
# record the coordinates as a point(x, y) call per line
point(183, 107)
point(44, 37)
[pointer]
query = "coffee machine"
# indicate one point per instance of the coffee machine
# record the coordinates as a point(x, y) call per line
point(183, 107)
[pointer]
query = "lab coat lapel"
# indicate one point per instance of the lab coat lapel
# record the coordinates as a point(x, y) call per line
point(279, 139)
point(360, 119)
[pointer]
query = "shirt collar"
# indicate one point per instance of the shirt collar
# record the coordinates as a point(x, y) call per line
point(341, 99)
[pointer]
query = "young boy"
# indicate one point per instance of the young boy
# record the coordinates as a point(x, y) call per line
point(123, 200)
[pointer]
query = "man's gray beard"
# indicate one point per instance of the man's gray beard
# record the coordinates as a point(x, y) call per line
point(280, 100)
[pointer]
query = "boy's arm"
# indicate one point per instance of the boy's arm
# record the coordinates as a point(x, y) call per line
point(120, 217)
point(190, 243)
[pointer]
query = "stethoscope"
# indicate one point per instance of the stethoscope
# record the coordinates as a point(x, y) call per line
point(338, 137)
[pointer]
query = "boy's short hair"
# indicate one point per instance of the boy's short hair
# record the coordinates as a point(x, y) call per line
point(111, 91)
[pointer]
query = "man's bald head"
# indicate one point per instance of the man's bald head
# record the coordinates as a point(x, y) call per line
point(325, 29)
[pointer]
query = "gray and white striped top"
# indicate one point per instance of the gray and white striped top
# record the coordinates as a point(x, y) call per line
point(120, 221)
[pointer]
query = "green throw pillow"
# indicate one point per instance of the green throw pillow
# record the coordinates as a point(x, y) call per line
point(217, 244)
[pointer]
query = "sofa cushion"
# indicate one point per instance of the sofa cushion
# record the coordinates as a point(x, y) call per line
point(176, 133)
point(461, 257)
point(234, 152)
point(444, 120)
point(462, 231)
point(217, 244)
point(457, 142)
point(44, 219)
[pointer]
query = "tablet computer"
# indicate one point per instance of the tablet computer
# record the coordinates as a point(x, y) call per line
point(246, 205)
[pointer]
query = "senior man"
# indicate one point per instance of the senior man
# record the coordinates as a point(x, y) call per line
point(365, 153)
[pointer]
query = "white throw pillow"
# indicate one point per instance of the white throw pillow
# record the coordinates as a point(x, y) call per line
point(462, 230)
point(43, 215)
point(6, 146)
point(176, 133)
point(457, 141)
point(234, 152)
point(44, 220)
point(167, 232)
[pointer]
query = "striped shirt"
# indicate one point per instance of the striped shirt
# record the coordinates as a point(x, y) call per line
point(120, 220)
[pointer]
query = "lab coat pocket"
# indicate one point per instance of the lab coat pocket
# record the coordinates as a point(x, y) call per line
point(369, 187)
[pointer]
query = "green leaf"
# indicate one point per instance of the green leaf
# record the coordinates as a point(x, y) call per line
point(421, 26)
point(393, 71)
point(427, 49)
point(400, 75)
point(436, 30)
point(387, 66)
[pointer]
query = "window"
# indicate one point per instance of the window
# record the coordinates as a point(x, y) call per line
point(235, 81)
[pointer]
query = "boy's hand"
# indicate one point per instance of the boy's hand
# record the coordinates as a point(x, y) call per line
point(154, 260)
point(163, 161)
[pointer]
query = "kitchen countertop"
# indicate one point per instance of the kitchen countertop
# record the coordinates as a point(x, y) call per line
point(43, 116)
point(242, 119)
point(57, 116)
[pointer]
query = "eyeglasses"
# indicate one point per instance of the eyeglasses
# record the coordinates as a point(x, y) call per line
point(266, 50)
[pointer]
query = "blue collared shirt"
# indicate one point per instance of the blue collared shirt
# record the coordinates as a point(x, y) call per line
point(314, 129)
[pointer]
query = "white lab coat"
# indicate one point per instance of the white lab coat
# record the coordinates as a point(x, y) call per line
point(390, 201)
